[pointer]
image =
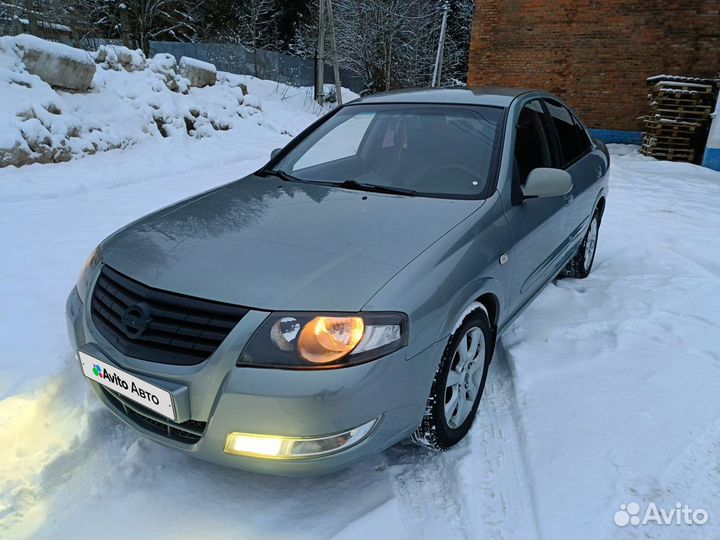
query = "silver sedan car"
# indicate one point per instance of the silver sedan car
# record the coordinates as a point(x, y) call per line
point(348, 295)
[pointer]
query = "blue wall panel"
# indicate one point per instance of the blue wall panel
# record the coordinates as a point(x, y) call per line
point(617, 136)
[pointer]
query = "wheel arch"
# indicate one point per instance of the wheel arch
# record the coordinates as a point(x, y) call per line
point(485, 291)
point(600, 205)
point(492, 306)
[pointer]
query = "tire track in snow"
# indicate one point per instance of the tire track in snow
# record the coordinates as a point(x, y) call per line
point(481, 488)
point(428, 489)
point(508, 437)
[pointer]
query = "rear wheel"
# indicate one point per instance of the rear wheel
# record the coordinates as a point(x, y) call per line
point(580, 265)
point(458, 384)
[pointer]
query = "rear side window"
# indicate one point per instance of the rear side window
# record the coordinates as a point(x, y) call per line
point(574, 142)
point(585, 142)
point(532, 149)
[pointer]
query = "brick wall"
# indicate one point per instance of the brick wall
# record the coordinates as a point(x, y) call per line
point(596, 54)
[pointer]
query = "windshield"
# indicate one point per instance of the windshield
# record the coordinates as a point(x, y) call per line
point(435, 150)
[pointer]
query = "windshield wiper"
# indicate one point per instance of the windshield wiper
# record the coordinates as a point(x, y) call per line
point(282, 175)
point(354, 184)
point(347, 184)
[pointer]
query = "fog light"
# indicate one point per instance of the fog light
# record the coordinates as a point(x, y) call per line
point(276, 447)
point(239, 443)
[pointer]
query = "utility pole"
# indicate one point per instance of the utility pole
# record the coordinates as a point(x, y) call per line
point(437, 72)
point(336, 67)
point(320, 55)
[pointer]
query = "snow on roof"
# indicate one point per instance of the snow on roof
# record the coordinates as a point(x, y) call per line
point(484, 95)
point(683, 84)
point(684, 91)
point(194, 62)
point(679, 121)
point(678, 78)
point(26, 41)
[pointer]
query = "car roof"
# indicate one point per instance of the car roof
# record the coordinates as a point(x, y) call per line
point(460, 95)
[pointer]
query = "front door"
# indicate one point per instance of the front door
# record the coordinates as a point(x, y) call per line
point(539, 226)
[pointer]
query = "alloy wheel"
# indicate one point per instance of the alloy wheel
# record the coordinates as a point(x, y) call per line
point(590, 244)
point(465, 376)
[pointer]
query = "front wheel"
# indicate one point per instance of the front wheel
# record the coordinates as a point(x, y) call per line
point(580, 265)
point(458, 384)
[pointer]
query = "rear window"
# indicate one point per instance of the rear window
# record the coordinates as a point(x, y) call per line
point(436, 150)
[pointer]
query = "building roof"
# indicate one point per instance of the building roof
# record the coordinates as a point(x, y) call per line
point(464, 95)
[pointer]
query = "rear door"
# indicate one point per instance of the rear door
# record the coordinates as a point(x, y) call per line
point(538, 225)
point(576, 157)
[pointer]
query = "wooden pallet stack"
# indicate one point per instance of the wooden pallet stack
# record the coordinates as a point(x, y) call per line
point(676, 128)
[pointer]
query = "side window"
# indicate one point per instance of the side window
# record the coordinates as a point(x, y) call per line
point(585, 142)
point(569, 132)
point(532, 149)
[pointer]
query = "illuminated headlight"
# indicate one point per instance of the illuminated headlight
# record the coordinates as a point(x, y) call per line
point(278, 447)
point(309, 340)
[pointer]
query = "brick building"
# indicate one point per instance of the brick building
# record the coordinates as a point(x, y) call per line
point(596, 54)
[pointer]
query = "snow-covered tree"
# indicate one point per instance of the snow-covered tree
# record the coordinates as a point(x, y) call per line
point(139, 21)
point(457, 44)
point(257, 26)
point(392, 43)
point(256, 23)
point(252, 23)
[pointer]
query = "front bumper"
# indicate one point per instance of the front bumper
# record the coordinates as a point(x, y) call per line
point(216, 398)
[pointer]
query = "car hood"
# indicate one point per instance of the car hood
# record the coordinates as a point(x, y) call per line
point(269, 244)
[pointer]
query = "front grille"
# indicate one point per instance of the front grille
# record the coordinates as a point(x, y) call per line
point(188, 432)
point(156, 325)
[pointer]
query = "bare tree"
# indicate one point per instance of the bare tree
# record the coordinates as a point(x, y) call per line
point(457, 45)
point(256, 26)
point(392, 43)
point(157, 19)
point(256, 20)
point(148, 19)
point(364, 37)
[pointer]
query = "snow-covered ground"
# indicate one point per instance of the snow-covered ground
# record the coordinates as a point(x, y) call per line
point(131, 100)
point(604, 392)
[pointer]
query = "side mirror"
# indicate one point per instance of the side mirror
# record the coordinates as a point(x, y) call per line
point(546, 182)
point(275, 152)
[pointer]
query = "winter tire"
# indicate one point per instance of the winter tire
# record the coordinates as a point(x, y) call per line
point(580, 265)
point(458, 385)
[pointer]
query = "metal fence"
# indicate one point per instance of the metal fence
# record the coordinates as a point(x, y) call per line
point(226, 57)
point(259, 62)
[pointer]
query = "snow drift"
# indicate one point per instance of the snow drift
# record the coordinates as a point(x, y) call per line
point(130, 98)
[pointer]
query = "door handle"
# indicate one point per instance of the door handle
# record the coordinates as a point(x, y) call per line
point(568, 199)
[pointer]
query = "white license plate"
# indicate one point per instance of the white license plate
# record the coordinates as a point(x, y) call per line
point(141, 392)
